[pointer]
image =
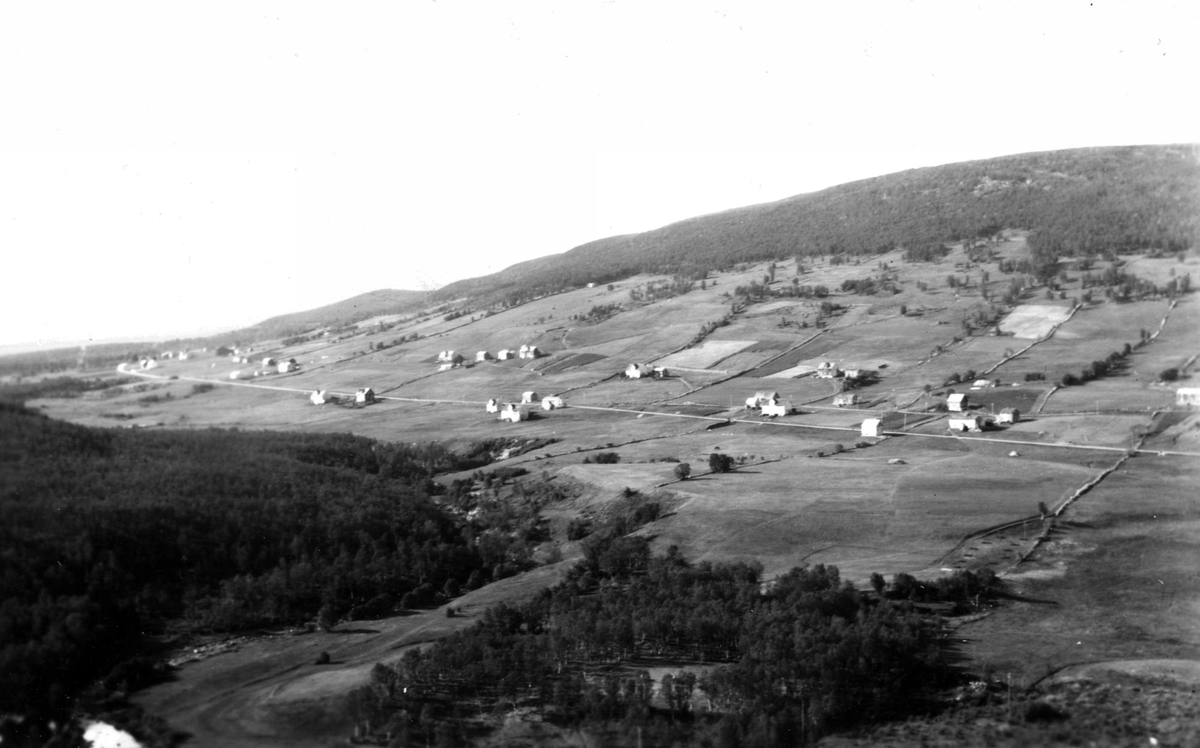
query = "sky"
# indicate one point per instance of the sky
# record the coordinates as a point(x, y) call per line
point(171, 169)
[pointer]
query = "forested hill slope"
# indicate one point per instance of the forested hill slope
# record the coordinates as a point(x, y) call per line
point(1076, 201)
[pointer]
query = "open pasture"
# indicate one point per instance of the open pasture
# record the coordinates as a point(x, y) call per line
point(706, 354)
point(1034, 321)
point(1160, 270)
point(1093, 430)
point(855, 509)
point(1092, 334)
point(1127, 391)
point(1116, 580)
point(733, 393)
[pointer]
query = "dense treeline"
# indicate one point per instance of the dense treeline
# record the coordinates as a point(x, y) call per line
point(781, 663)
point(107, 535)
point(1085, 201)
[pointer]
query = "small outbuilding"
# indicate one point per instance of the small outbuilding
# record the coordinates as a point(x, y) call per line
point(845, 398)
point(483, 356)
point(319, 397)
point(529, 397)
point(268, 361)
point(552, 402)
point(957, 403)
point(1008, 415)
point(364, 396)
point(872, 426)
point(493, 405)
point(982, 383)
point(286, 366)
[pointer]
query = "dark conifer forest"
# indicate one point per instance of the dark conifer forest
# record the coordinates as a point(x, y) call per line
point(109, 536)
point(1074, 202)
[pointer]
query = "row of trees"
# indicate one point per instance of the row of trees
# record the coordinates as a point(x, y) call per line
point(796, 658)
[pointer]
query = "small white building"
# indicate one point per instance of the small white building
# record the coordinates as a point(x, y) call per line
point(493, 405)
point(121, 367)
point(319, 397)
point(483, 356)
point(529, 351)
point(957, 403)
point(872, 427)
point(364, 396)
point(1008, 415)
point(827, 370)
point(268, 361)
point(184, 356)
point(762, 399)
point(239, 374)
point(637, 371)
point(148, 363)
point(845, 398)
point(446, 356)
point(529, 397)
point(552, 402)
point(982, 383)
point(445, 367)
point(286, 366)
point(852, 373)
point(504, 354)
point(514, 413)
point(1188, 397)
point(660, 372)
point(966, 422)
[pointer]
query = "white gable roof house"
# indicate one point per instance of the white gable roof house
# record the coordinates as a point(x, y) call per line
point(843, 399)
point(286, 366)
point(827, 370)
point(483, 356)
point(872, 427)
point(529, 351)
point(319, 397)
point(504, 354)
point(493, 405)
point(552, 402)
point(364, 395)
point(268, 361)
point(1188, 397)
point(958, 402)
point(637, 371)
point(514, 413)
point(529, 397)
point(776, 409)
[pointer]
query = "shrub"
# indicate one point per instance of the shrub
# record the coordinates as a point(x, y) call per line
point(1169, 375)
point(607, 458)
point(683, 470)
point(720, 463)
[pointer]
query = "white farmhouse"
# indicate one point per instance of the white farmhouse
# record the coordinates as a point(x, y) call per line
point(504, 354)
point(827, 370)
point(777, 409)
point(957, 403)
point(552, 402)
point(966, 422)
point(843, 399)
point(286, 366)
point(637, 371)
point(493, 405)
point(319, 397)
point(514, 413)
point(364, 396)
point(529, 397)
point(1188, 397)
point(483, 356)
point(1008, 415)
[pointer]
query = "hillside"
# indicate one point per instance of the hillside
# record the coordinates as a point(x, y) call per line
point(344, 312)
point(1089, 200)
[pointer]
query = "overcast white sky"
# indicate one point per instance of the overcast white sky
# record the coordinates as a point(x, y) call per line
point(168, 168)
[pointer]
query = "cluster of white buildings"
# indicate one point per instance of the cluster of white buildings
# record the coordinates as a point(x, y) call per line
point(640, 371)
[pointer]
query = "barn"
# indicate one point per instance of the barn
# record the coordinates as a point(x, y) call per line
point(529, 397)
point(552, 402)
point(966, 422)
point(872, 427)
point(364, 396)
point(777, 409)
point(827, 370)
point(957, 403)
point(504, 354)
point(493, 405)
point(482, 356)
point(287, 366)
point(637, 371)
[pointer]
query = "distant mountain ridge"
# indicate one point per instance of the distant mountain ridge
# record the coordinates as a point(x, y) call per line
point(1080, 201)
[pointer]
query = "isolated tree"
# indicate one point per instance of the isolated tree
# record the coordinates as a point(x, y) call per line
point(878, 583)
point(683, 470)
point(720, 463)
